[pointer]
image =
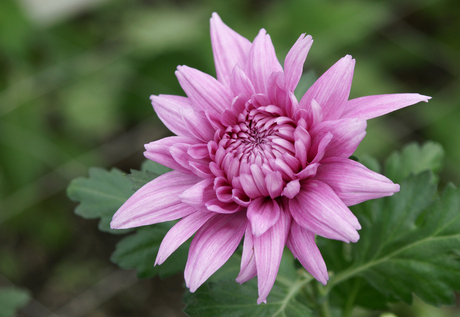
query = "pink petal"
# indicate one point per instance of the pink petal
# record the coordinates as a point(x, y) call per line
point(168, 109)
point(274, 183)
point(332, 89)
point(241, 84)
point(293, 64)
point(212, 246)
point(374, 106)
point(262, 62)
point(292, 189)
point(302, 244)
point(318, 209)
point(198, 194)
point(262, 213)
point(229, 49)
point(353, 182)
point(204, 91)
point(198, 125)
point(248, 265)
point(157, 201)
point(268, 249)
point(160, 151)
point(180, 233)
point(347, 134)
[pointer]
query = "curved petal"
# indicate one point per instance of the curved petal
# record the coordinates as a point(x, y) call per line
point(212, 246)
point(168, 108)
point(156, 201)
point(302, 244)
point(347, 134)
point(293, 64)
point(268, 250)
point(160, 151)
point(248, 267)
point(262, 62)
point(318, 209)
point(198, 194)
point(228, 47)
point(241, 84)
point(262, 213)
point(203, 90)
point(180, 233)
point(332, 89)
point(353, 182)
point(198, 125)
point(369, 107)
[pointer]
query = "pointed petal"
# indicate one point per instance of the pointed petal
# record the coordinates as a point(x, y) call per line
point(262, 62)
point(302, 244)
point(332, 89)
point(180, 233)
point(241, 84)
point(212, 246)
point(157, 201)
point(353, 182)
point(248, 264)
point(293, 64)
point(229, 49)
point(318, 209)
point(369, 107)
point(274, 183)
point(198, 125)
point(160, 151)
point(198, 194)
point(347, 134)
point(262, 213)
point(168, 109)
point(268, 249)
point(203, 90)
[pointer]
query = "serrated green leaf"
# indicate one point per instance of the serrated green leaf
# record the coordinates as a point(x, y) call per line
point(414, 159)
point(222, 296)
point(409, 244)
point(139, 251)
point(100, 195)
point(149, 171)
point(12, 299)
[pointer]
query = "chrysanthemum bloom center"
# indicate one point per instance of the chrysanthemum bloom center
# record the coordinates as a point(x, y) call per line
point(255, 155)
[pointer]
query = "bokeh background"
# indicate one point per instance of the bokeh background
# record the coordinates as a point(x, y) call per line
point(75, 77)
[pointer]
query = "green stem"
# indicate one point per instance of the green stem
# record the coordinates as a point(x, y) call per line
point(348, 309)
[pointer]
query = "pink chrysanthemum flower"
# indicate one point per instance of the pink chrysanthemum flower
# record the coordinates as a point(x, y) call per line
point(252, 161)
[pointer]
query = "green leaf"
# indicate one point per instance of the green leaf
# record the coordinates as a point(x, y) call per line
point(409, 244)
point(12, 299)
point(149, 171)
point(414, 159)
point(139, 251)
point(100, 195)
point(222, 296)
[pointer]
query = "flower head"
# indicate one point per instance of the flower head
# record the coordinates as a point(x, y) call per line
point(252, 161)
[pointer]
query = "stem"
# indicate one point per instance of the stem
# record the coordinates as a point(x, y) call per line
point(348, 309)
point(325, 312)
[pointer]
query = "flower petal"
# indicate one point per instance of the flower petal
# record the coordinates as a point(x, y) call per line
point(332, 89)
point(262, 213)
point(248, 267)
point(347, 134)
point(156, 201)
point(204, 91)
point(353, 182)
point(198, 125)
point(229, 49)
point(241, 84)
point(262, 62)
point(159, 151)
point(369, 107)
point(180, 233)
point(318, 209)
point(168, 108)
point(268, 250)
point(212, 246)
point(198, 194)
point(293, 64)
point(302, 244)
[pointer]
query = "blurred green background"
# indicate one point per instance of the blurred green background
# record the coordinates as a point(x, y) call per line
point(75, 77)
